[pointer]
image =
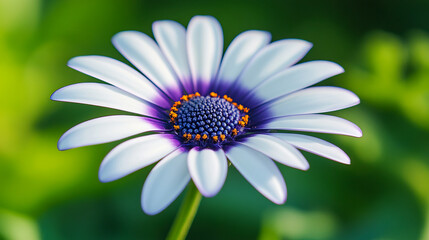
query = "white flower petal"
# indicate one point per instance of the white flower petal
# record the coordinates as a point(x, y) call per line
point(295, 78)
point(205, 47)
point(171, 38)
point(106, 129)
point(272, 59)
point(165, 182)
point(104, 95)
point(135, 154)
point(313, 100)
point(260, 171)
point(239, 53)
point(144, 53)
point(314, 145)
point(120, 75)
point(208, 169)
point(279, 151)
point(313, 123)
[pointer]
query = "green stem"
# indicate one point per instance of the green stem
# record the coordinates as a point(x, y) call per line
point(186, 214)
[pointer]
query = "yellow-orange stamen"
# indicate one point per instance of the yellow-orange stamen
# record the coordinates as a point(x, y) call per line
point(245, 119)
point(222, 137)
point(184, 98)
point(173, 114)
point(197, 137)
point(205, 136)
point(176, 127)
point(215, 138)
point(234, 132)
point(213, 94)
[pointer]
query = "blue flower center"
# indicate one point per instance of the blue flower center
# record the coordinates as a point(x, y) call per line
point(207, 120)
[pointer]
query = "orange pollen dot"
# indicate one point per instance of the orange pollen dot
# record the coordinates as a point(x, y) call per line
point(173, 114)
point(225, 97)
point(246, 110)
point(178, 103)
point(189, 137)
point(205, 136)
point(213, 94)
point(240, 107)
point(234, 132)
point(191, 95)
point(245, 119)
point(229, 99)
point(176, 127)
point(215, 138)
point(197, 137)
point(174, 109)
point(197, 94)
point(235, 104)
point(184, 98)
point(242, 123)
point(222, 137)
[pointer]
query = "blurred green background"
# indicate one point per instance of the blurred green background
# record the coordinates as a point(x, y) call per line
point(384, 194)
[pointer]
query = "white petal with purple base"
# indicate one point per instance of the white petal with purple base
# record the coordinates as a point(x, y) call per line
point(171, 38)
point(239, 53)
point(313, 123)
point(260, 171)
point(103, 95)
point(314, 145)
point(165, 182)
point(107, 129)
point(313, 100)
point(205, 47)
point(135, 154)
point(279, 151)
point(143, 52)
point(295, 78)
point(272, 59)
point(208, 169)
point(121, 75)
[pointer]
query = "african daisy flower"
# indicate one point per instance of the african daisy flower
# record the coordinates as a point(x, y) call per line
point(202, 111)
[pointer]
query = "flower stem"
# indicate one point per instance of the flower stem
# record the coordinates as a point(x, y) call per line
point(186, 214)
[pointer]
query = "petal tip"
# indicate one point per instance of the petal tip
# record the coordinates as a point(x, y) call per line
point(148, 210)
point(61, 146)
point(359, 134)
point(306, 167)
point(54, 96)
point(208, 193)
point(120, 35)
point(280, 200)
point(102, 176)
point(306, 44)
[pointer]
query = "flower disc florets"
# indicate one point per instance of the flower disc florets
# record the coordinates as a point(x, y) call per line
point(208, 120)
